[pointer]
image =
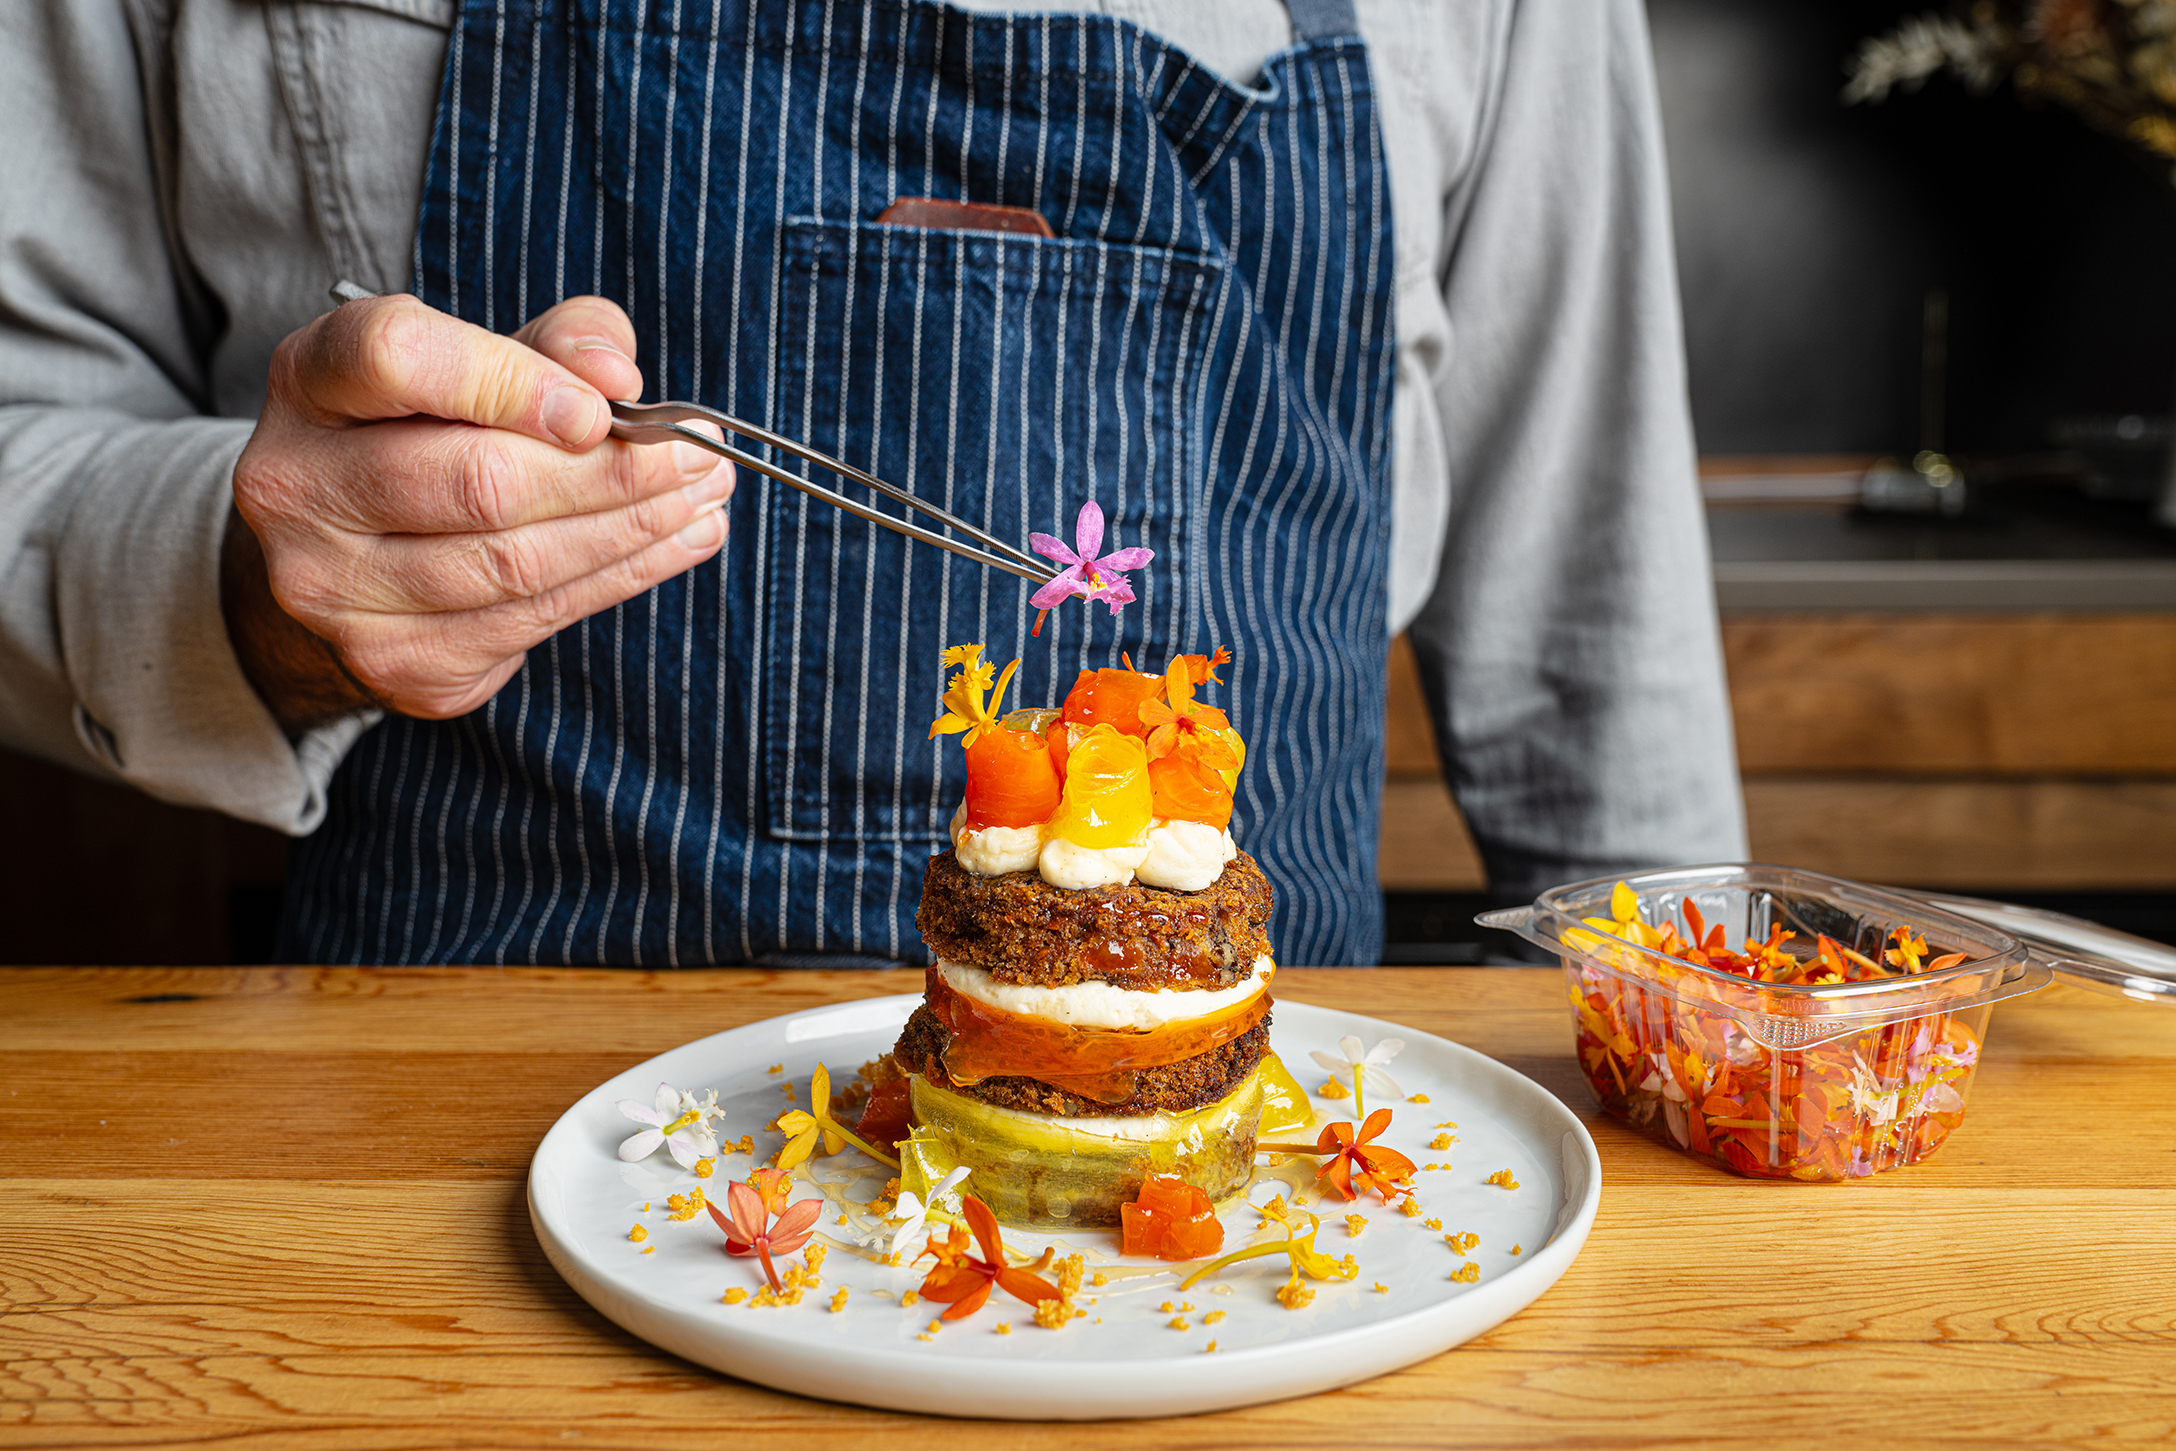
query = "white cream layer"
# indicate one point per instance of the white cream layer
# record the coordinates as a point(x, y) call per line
point(1102, 1004)
point(1179, 856)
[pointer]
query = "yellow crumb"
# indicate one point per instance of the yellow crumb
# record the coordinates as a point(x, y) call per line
point(813, 1256)
point(638, 1234)
point(925, 1335)
point(1070, 1270)
point(1293, 1295)
point(838, 1301)
point(704, 1168)
point(1449, 1123)
point(765, 1295)
point(1186, 1307)
point(1334, 1089)
point(747, 1144)
point(649, 1249)
point(1467, 1273)
point(840, 1220)
point(1462, 1243)
point(786, 1088)
point(776, 1068)
point(1099, 1278)
point(1433, 1223)
point(735, 1295)
point(909, 1298)
point(1178, 1322)
point(1440, 1141)
point(935, 1326)
point(1274, 1209)
point(1381, 1288)
point(1503, 1177)
point(1416, 1098)
point(1410, 1208)
point(1514, 1249)
point(1055, 1314)
point(1212, 1317)
point(1166, 1307)
point(645, 1206)
point(1004, 1327)
point(1351, 1265)
point(685, 1206)
point(1354, 1223)
point(1209, 1349)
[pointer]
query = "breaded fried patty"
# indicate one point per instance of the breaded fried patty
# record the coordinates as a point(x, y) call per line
point(1173, 1088)
point(1020, 929)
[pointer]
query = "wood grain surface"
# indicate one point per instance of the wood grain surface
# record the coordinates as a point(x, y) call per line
point(284, 1207)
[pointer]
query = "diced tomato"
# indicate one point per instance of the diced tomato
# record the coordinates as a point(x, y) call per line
point(1010, 780)
point(1170, 1220)
point(1112, 698)
point(884, 1117)
point(1183, 789)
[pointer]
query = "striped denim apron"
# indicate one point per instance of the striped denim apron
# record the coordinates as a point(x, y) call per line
point(734, 767)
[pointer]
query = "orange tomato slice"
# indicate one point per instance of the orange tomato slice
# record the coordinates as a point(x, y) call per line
point(1107, 801)
point(1094, 1063)
point(1182, 788)
point(1011, 780)
point(1112, 698)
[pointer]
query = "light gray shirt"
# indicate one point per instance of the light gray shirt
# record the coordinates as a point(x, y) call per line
point(181, 180)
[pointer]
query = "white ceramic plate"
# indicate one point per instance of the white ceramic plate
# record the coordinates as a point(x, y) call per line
point(1124, 1360)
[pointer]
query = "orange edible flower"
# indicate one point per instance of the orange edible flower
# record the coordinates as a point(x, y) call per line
point(1170, 1220)
point(1167, 722)
point(962, 1281)
point(750, 1229)
point(1202, 668)
point(1355, 1159)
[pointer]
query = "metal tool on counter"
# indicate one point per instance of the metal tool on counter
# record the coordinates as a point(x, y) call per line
point(667, 422)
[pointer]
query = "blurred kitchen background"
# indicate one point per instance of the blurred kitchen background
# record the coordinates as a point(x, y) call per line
point(1933, 362)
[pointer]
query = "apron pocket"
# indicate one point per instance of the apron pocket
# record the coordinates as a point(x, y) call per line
point(1007, 380)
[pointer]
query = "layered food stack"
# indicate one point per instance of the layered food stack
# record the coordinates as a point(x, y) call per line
point(1098, 1009)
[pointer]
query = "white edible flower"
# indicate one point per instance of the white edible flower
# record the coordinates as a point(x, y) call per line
point(1368, 1065)
point(680, 1121)
point(910, 1212)
point(1866, 1094)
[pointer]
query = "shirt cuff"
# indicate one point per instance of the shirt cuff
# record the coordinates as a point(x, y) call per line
point(161, 699)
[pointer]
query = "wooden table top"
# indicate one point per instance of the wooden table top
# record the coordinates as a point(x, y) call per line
point(286, 1206)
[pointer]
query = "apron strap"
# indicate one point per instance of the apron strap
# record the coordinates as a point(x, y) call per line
point(1322, 19)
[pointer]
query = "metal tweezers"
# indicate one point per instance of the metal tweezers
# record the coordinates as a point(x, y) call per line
point(667, 423)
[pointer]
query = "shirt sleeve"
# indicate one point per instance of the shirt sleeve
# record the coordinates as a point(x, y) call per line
point(1570, 646)
point(114, 485)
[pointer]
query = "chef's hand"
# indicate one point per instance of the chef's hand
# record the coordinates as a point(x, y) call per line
point(423, 501)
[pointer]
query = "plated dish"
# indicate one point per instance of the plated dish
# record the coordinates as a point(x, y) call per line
point(1124, 1357)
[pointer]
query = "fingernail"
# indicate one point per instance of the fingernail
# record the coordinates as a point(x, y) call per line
point(570, 412)
point(710, 487)
point(707, 532)
point(694, 462)
point(598, 345)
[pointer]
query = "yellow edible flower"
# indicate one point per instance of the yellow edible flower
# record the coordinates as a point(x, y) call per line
point(969, 705)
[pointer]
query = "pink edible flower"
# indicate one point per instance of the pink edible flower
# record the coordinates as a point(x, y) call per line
point(1085, 574)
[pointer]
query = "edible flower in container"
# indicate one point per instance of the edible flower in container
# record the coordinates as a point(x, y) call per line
point(1780, 1023)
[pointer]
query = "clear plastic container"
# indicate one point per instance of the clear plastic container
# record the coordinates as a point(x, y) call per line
point(1824, 1080)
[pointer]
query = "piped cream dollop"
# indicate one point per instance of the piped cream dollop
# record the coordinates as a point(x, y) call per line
point(995, 850)
point(1102, 1004)
point(1179, 856)
point(1186, 856)
point(1076, 868)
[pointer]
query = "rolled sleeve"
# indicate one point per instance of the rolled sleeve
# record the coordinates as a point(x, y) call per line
point(134, 513)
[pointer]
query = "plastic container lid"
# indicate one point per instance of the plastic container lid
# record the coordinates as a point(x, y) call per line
point(2007, 949)
point(2082, 953)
